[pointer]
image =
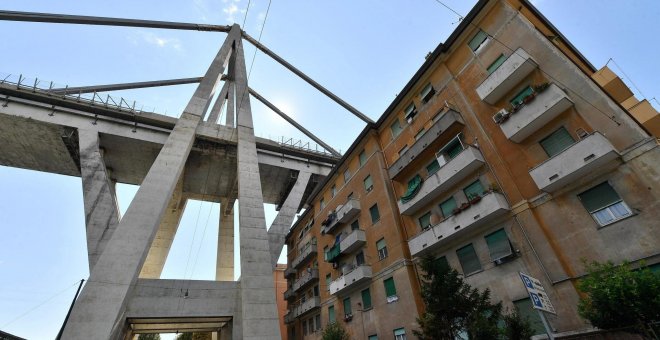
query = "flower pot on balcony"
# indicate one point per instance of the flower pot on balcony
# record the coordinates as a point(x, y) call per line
point(529, 98)
point(456, 211)
point(465, 206)
point(475, 199)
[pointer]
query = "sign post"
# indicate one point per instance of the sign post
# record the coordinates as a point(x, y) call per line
point(540, 300)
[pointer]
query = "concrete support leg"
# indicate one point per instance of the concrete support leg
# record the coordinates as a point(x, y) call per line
point(226, 332)
point(101, 209)
point(280, 227)
point(259, 311)
point(224, 270)
point(160, 247)
point(99, 312)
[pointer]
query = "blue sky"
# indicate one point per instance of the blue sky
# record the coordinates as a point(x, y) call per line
point(364, 51)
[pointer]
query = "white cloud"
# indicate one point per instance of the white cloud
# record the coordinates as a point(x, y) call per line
point(153, 39)
point(231, 9)
point(260, 20)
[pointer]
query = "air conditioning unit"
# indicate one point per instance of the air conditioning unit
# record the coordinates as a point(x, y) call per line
point(500, 116)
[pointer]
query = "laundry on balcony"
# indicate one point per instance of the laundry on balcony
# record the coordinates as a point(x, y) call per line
point(413, 188)
point(333, 253)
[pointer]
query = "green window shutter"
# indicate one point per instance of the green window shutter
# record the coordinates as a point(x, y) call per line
point(528, 312)
point(441, 262)
point(478, 39)
point(496, 64)
point(373, 337)
point(395, 128)
point(474, 189)
point(448, 206)
point(469, 260)
point(454, 149)
point(380, 244)
point(425, 220)
point(433, 167)
point(390, 288)
point(366, 299)
point(413, 188)
point(498, 245)
point(599, 197)
point(331, 314)
point(399, 332)
point(368, 183)
point(363, 158)
point(347, 306)
point(375, 214)
point(557, 142)
point(518, 99)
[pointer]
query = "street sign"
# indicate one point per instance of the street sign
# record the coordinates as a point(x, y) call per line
point(537, 294)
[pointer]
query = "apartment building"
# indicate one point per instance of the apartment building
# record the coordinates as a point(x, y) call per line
point(501, 155)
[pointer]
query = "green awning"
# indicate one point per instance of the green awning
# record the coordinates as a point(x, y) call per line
point(413, 188)
point(332, 253)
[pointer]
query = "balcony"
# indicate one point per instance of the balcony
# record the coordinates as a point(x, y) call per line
point(289, 294)
point(289, 318)
point(351, 280)
point(532, 116)
point(307, 252)
point(590, 155)
point(307, 278)
point(344, 214)
point(465, 163)
point(447, 121)
point(490, 207)
point(352, 241)
point(289, 272)
point(506, 77)
point(307, 306)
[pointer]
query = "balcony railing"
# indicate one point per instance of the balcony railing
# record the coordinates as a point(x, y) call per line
point(506, 77)
point(353, 241)
point(306, 253)
point(344, 214)
point(537, 113)
point(289, 294)
point(445, 123)
point(289, 318)
point(289, 272)
point(350, 280)
point(591, 155)
point(307, 278)
point(307, 306)
point(459, 167)
point(490, 207)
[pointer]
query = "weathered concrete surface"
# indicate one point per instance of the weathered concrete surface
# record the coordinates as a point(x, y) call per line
point(100, 201)
point(280, 226)
point(224, 270)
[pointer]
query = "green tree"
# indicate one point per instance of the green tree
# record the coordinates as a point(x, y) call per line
point(334, 331)
point(184, 336)
point(616, 296)
point(194, 336)
point(149, 337)
point(515, 327)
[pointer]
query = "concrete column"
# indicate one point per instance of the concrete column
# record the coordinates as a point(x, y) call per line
point(259, 311)
point(160, 247)
point(231, 99)
point(101, 209)
point(224, 269)
point(226, 332)
point(282, 222)
point(100, 309)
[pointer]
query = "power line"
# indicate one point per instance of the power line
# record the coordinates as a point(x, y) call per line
point(40, 304)
point(247, 9)
point(627, 77)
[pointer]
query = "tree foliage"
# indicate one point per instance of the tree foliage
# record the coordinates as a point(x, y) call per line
point(194, 336)
point(617, 297)
point(335, 331)
point(149, 337)
point(515, 327)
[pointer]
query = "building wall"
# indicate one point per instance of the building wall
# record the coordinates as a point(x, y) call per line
point(280, 287)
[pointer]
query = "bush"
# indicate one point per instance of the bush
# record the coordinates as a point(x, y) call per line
point(334, 331)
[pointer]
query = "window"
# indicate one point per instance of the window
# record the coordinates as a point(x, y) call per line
point(355, 225)
point(333, 191)
point(403, 150)
point(442, 262)
point(450, 150)
point(498, 245)
point(363, 158)
point(427, 93)
point(373, 337)
point(496, 64)
point(473, 190)
point(366, 299)
point(528, 312)
point(304, 327)
point(317, 318)
point(396, 128)
point(368, 183)
point(315, 291)
point(321, 204)
point(410, 112)
point(310, 323)
point(328, 281)
point(425, 220)
point(518, 99)
point(375, 214)
point(347, 175)
point(469, 260)
point(448, 206)
point(331, 314)
point(359, 258)
point(420, 134)
point(347, 306)
point(604, 204)
point(400, 334)
point(557, 142)
point(478, 40)
point(433, 167)
point(390, 288)
point(382, 248)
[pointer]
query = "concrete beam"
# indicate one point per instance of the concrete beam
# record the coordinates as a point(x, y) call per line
point(224, 270)
point(293, 163)
point(105, 21)
point(100, 201)
point(214, 114)
point(282, 222)
point(124, 86)
point(100, 309)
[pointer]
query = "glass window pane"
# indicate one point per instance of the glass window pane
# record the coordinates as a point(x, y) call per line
point(395, 128)
point(359, 258)
point(347, 306)
point(390, 288)
point(557, 142)
point(347, 175)
point(448, 206)
point(380, 244)
point(433, 167)
point(331, 314)
point(469, 260)
point(366, 298)
point(453, 149)
point(478, 39)
point(375, 214)
point(603, 216)
point(599, 197)
point(526, 311)
point(498, 245)
point(363, 158)
point(620, 210)
point(425, 220)
point(368, 183)
point(474, 189)
point(399, 332)
point(496, 64)
point(518, 99)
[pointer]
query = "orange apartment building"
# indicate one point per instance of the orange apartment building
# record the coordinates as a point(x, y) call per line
point(503, 154)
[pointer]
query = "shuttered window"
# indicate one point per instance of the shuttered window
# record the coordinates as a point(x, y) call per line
point(469, 260)
point(382, 248)
point(474, 189)
point(366, 298)
point(331, 314)
point(433, 167)
point(368, 183)
point(518, 99)
point(557, 142)
point(347, 306)
point(604, 204)
point(400, 334)
point(425, 220)
point(498, 245)
point(373, 337)
point(396, 128)
point(478, 40)
point(347, 175)
point(390, 288)
point(496, 64)
point(528, 312)
point(410, 111)
point(427, 93)
point(448, 206)
point(375, 213)
point(363, 158)
point(328, 281)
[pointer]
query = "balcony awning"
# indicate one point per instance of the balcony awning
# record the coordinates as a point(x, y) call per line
point(332, 254)
point(413, 188)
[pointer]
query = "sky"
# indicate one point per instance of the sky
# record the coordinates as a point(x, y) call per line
point(364, 51)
